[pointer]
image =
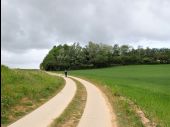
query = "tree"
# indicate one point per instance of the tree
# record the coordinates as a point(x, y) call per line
point(96, 55)
point(124, 49)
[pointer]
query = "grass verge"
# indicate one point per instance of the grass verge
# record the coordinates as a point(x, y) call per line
point(24, 90)
point(125, 113)
point(72, 114)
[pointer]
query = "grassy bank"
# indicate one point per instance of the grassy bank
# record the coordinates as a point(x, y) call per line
point(24, 90)
point(146, 85)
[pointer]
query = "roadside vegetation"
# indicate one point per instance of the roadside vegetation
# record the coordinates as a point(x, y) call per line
point(124, 111)
point(147, 86)
point(95, 55)
point(24, 90)
point(72, 114)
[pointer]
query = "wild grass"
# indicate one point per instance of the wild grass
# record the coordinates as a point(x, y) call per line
point(72, 114)
point(24, 90)
point(146, 85)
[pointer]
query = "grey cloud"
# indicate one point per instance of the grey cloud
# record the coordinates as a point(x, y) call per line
point(40, 24)
point(29, 59)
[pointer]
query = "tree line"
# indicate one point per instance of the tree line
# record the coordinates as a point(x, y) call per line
point(95, 55)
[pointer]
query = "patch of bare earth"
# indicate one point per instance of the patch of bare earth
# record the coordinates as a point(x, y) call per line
point(18, 110)
point(145, 121)
point(25, 106)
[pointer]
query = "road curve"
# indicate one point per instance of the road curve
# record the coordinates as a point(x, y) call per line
point(97, 112)
point(45, 114)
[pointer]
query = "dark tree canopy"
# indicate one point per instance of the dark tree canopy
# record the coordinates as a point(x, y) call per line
point(96, 55)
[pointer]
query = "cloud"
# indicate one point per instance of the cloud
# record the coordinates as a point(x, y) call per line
point(29, 59)
point(40, 24)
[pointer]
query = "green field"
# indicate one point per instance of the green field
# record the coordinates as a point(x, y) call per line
point(146, 85)
point(24, 90)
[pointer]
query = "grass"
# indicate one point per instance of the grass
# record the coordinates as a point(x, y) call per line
point(72, 114)
point(148, 86)
point(24, 90)
point(126, 115)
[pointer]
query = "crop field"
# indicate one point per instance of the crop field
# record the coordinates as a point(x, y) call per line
point(148, 86)
point(24, 90)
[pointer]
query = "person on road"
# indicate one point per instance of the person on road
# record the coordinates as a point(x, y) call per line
point(65, 72)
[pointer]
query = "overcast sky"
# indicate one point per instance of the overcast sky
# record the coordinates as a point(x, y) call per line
point(30, 28)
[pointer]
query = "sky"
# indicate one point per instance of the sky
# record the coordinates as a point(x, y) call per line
point(30, 28)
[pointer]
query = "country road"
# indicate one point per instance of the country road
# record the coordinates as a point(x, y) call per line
point(96, 113)
point(45, 114)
